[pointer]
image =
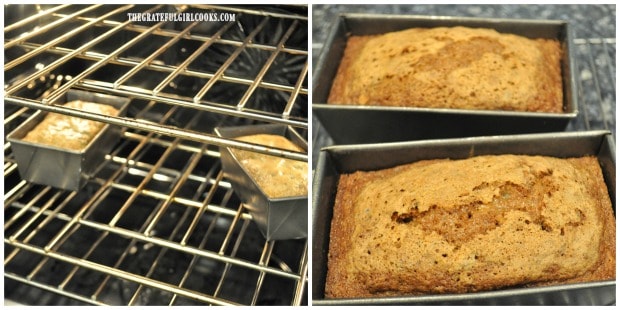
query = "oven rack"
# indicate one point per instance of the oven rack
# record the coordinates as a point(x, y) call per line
point(44, 224)
point(134, 67)
point(159, 199)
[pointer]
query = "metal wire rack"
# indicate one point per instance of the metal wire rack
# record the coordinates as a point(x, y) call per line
point(158, 224)
point(596, 69)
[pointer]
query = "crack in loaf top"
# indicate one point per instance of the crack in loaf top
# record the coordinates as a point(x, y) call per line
point(455, 226)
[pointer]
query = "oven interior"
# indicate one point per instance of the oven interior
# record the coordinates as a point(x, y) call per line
point(157, 224)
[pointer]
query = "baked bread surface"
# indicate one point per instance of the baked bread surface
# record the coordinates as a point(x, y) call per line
point(458, 226)
point(451, 67)
point(276, 176)
point(69, 132)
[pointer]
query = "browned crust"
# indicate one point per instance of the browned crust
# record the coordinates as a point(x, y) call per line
point(606, 268)
point(548, 98)
point(339, 284)
point(550, 89)
point(338, 93)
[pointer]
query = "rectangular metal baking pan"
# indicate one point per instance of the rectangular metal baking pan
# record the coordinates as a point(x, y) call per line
point(351, 124)
point(64, 168)
point(337, 160)
point(277, 218)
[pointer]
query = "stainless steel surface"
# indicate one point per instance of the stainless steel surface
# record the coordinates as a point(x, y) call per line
point(344, 159)
point(277, 218)
point(370, 124)
point(63, 168)
point(157, 223)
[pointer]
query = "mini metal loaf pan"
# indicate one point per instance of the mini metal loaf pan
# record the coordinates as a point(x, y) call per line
point(64, 168)
point(337, 160)
point(352, 124)
point(277, 218)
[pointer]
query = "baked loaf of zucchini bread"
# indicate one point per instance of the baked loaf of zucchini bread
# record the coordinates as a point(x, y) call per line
point(70, 132)
point(451, 67)
point(458, 226)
